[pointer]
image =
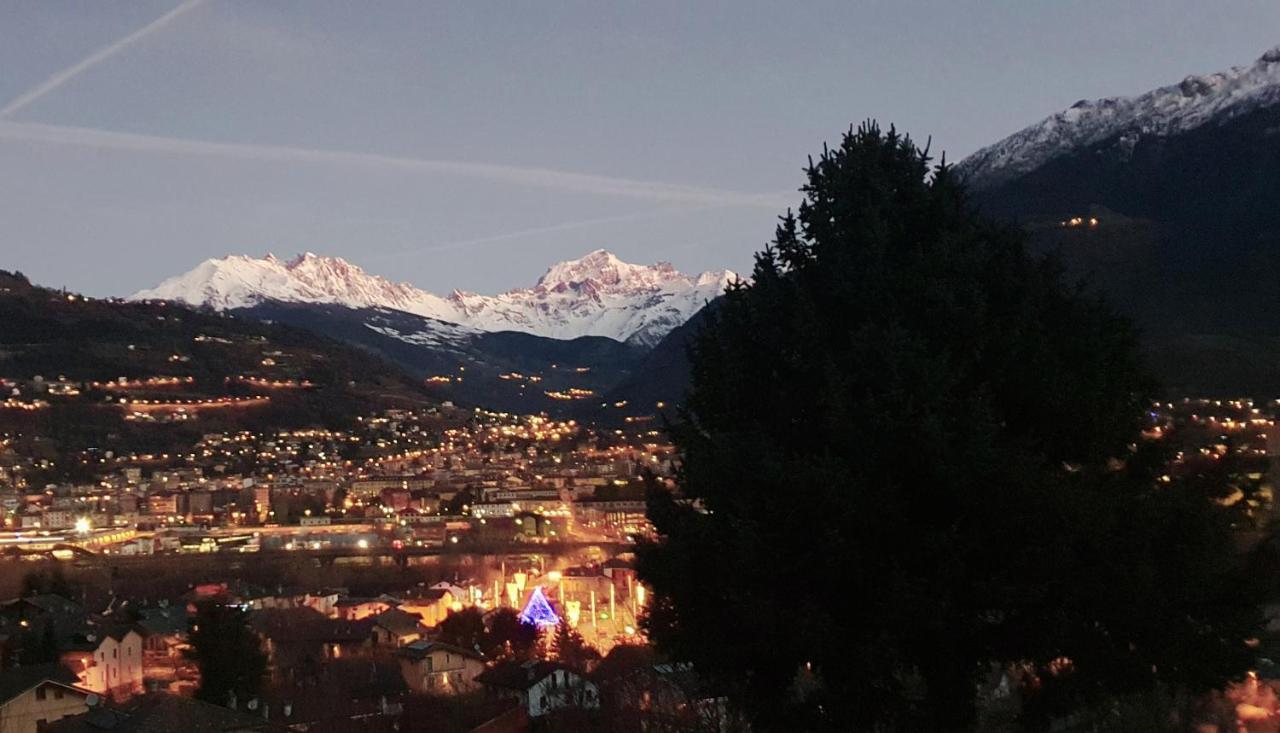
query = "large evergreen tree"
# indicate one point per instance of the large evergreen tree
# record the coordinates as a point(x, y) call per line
point(228, 654)
point(912, 453)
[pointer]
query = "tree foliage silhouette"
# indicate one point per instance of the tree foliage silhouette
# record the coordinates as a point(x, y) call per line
point(568, 646)
point(464, 629)
point(509, 637)
point(910, 452)
point(227, 653)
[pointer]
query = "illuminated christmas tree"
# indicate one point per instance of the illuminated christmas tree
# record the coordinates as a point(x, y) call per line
point(538, 611)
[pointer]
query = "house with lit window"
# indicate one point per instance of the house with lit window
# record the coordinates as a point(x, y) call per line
point(395, 628)
point(107, 661)
point(299, 639)
point(33, 697)
point(541, 687)
point(164, 630)
point(432, 605)
point(435, 667)
point(35, 611)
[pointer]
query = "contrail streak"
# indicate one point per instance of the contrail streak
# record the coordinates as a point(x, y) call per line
point(532, 177)
point(545, 178)
point(97, 57)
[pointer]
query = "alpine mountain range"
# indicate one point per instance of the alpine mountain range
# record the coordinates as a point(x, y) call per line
point(596, 295)
point(1175, 189)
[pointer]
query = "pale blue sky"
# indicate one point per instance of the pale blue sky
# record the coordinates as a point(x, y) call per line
point(471, 144)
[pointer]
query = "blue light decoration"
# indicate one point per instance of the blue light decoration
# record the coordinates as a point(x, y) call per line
point(538, 611)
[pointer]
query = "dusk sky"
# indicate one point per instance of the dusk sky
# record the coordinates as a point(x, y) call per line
point(471, 144)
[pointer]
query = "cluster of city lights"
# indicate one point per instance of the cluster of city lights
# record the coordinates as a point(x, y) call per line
point(573, 393)
point(270, 383)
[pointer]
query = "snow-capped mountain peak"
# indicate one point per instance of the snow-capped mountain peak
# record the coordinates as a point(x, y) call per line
point(595, 295)
point(606, 271)
point(1195, 101)
point(239, 281)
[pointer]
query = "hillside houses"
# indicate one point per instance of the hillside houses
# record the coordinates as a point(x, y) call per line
point(438, 668)
point(297, 639)
point(107, 660)
point(33, 696)
point(396, 627)
point(104, 654)
point(541, 687)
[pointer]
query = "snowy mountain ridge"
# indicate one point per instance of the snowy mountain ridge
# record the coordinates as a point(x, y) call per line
point(1169, 110)
point(595, 295)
